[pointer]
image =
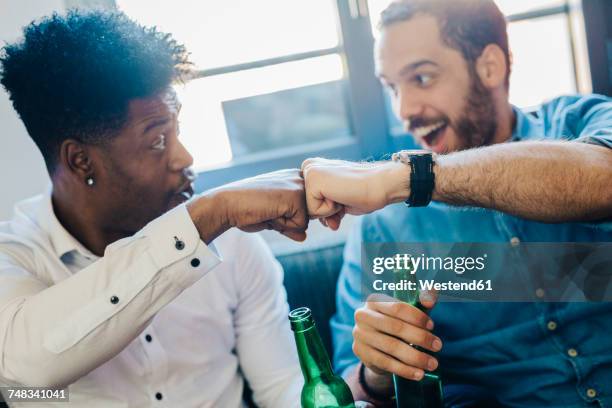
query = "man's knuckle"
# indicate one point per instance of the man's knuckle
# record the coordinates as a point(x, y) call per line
point(397, 308)
point(396, 327)
point(424, 338)
point(422, 359)
point(388, 344)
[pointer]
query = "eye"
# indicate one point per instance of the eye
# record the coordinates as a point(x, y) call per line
point(160, 144)
point(423, 79)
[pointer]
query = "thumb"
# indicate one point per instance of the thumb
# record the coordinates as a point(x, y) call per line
point(428, 298)
point(323, 207)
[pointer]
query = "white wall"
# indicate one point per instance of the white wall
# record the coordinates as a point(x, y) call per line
point(22, 171)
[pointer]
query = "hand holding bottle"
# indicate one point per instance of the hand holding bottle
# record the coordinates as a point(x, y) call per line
point(385, 332)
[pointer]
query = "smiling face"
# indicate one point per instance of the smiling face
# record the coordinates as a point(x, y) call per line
point(437, 94)
point(143, 171)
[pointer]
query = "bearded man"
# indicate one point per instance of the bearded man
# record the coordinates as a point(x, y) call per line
point(538, 176)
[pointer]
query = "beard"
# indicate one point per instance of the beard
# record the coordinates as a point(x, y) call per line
point(477, 125)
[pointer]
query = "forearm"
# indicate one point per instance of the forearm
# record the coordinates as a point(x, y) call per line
point(208, 212)
point(543, 181)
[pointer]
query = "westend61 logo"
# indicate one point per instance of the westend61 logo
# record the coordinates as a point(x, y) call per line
point(459, 264)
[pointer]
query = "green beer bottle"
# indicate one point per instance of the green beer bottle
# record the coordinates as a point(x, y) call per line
point(426, 393)
point(322, 388)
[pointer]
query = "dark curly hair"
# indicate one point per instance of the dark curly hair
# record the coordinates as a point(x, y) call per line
point(73, 75)
point(465, 25)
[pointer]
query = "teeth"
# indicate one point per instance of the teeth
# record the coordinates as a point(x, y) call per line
point(423, 131)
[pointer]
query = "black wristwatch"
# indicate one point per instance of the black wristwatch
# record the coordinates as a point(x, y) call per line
point(422, 177)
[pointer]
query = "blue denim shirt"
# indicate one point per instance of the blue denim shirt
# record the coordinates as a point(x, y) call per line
point(526, 354)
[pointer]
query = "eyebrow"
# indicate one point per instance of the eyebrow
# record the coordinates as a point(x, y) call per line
point(406, 69)
point(411, 67)
point(156, 123)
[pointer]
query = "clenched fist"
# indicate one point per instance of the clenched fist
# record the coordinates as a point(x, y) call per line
point(337, 187)
point(269, 201)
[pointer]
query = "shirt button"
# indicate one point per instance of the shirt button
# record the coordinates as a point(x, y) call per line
point(552, 325)
point(114, 300)
point(572, 352)
point(148, 338)
point(540, 293)
point(158, 396)
point(591, 393)
point(195, 262)
point(178, 244)
point(514, 241)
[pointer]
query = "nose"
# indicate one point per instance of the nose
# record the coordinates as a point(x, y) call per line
point(408, 105)
point(180, 158)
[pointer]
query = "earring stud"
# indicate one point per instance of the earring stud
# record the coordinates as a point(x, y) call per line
point(89, 181)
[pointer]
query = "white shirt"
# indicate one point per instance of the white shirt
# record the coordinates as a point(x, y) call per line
point(146, 318)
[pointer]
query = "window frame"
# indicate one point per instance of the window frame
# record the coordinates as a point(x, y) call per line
point(371, 135)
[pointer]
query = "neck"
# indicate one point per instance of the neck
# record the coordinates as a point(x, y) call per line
point(312, 355)
point(506, 121)
point(78, 216)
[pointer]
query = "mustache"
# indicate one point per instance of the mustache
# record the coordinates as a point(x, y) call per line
point(418, 121)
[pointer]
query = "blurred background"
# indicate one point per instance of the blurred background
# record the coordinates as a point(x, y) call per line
point(282, 80)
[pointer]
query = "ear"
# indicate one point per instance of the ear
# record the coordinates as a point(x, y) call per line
point(491, 66)
point(76, 158)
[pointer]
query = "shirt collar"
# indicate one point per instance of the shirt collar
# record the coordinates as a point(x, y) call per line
point(62, 241)
point(527, 125)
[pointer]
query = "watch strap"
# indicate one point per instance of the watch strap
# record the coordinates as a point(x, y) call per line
point(422, 177)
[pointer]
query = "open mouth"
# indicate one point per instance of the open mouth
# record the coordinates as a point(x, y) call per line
point(431, 135)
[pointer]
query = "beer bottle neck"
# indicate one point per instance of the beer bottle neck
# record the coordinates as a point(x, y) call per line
point(312, 354)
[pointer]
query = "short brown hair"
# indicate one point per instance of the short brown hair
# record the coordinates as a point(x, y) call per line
point(465, 25)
